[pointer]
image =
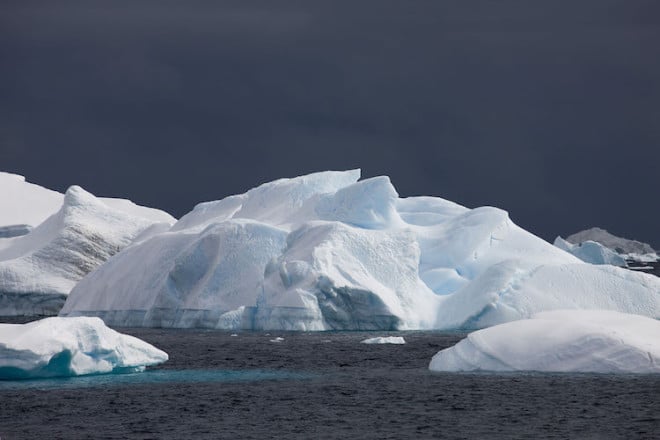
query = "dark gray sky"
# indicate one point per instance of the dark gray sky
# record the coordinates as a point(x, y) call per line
point(549, 109)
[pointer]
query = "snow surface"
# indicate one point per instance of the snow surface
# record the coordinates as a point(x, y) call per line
point(560, 341)
point(385, 340)
point(329, 251)
point(57, 346)
point(592, 252)
point(24, 203)
point(39, 269)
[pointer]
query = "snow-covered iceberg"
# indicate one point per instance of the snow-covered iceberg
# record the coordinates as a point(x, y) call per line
point(618, 244)
point(330, 251)
point(560, 341)
point(55, 347)
point(592, 252)
point(39, 269)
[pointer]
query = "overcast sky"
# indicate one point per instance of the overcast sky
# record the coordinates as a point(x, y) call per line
point(548, 109)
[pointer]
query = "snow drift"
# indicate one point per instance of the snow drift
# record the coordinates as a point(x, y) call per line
point(55, 347)
point(330, 251)
point(39, 269)
point(560, 341)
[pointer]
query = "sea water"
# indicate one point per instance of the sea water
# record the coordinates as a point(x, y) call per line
point(324, 385)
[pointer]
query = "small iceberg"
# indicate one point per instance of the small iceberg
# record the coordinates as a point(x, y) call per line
point(586, 341)
point(385, 340)
point(60, 347)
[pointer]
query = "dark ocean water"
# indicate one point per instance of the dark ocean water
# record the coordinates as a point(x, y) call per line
point(324, 385)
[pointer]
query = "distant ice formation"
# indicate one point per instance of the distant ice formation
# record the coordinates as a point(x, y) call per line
point(560, 341)
point(592, 252)
point(397, 340)
point(38, 269)
point(55, 347)
point(330, 251)
point(629, 249)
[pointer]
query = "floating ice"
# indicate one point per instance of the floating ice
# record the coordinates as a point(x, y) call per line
point(560, 341)
point(617, 244)
point(55, 347)
point(592, 252)
point(329, 251)
point(385, 340)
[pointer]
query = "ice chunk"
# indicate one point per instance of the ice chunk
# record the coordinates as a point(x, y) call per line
point(385, 340)
point(560, 341)
point(56, 346)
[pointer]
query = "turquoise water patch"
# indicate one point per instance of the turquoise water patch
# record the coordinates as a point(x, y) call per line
point(153, 377)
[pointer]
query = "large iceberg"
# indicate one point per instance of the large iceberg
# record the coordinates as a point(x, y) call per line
point(560, 341)
point(39, 269)
point(55, 347)
point(330, 251)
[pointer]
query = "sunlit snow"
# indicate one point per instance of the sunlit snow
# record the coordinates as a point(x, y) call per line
point(329, 251)
point(560, 341)
point(54, 347)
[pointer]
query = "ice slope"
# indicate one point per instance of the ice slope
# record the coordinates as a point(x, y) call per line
point(591, 252)
point(329, 251)
point(560, 341)
point(23, 203)
point(39, 269)
point(54, 347)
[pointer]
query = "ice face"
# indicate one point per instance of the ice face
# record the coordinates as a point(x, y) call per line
point(560, 341)
point(38, 269)
point(329, 251)
point(54, 347)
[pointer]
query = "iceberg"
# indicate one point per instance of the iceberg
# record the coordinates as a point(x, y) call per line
point(397, 340)
point(589, 341)
point(592, 252)
point(60, 347)
point(628, 249)
point(24, 205)
point(328, 251)
point(39, 269)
